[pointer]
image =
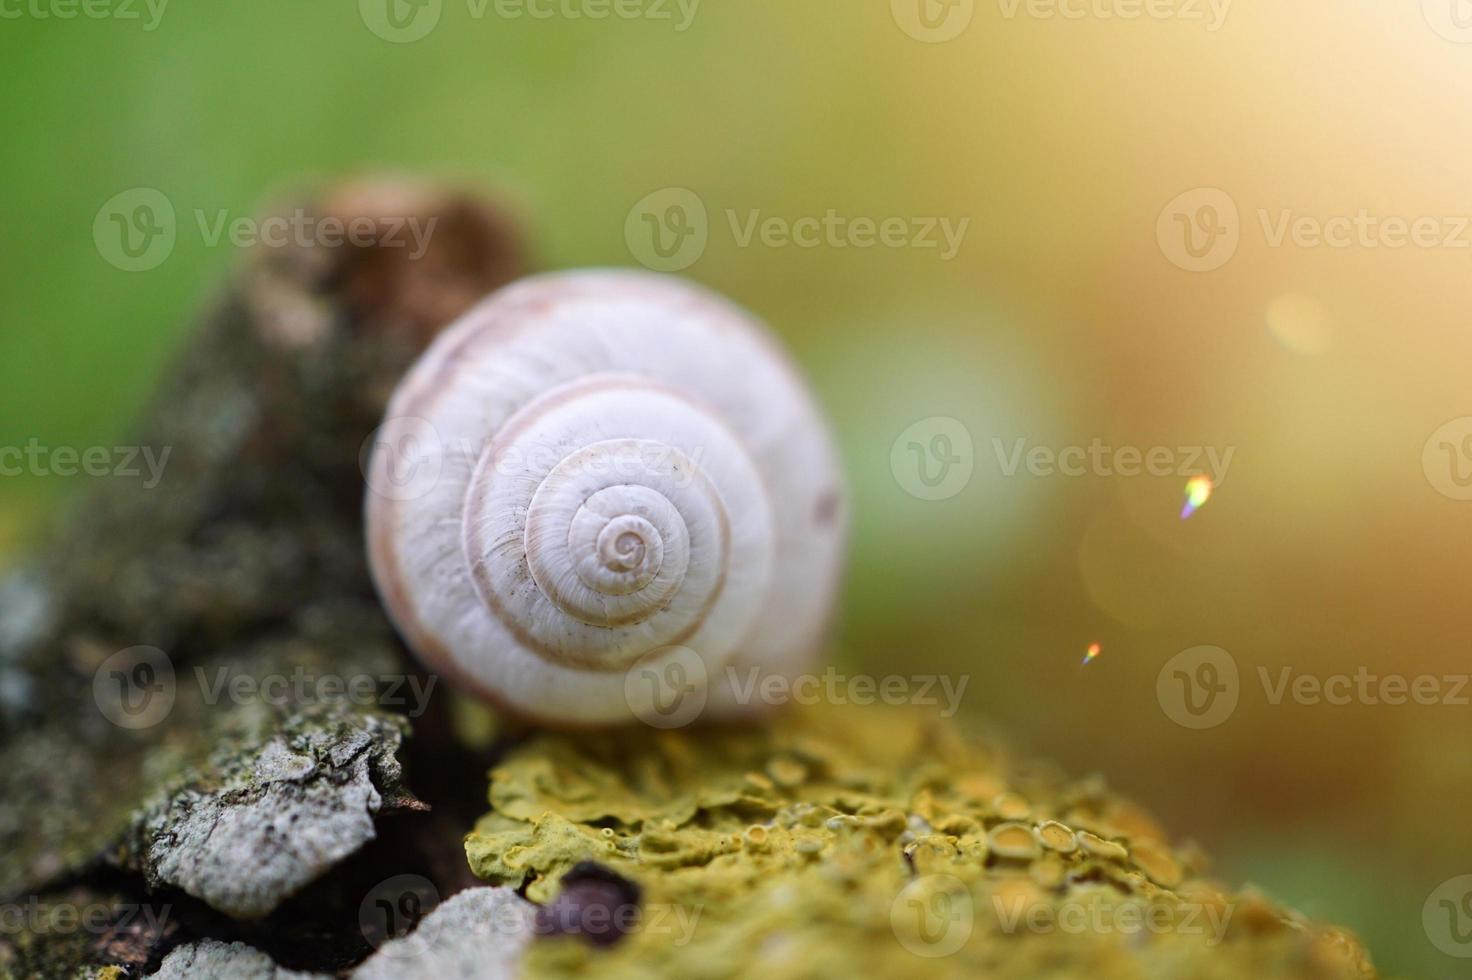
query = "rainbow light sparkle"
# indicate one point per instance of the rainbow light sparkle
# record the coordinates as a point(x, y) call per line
point(1198, 492)
point(1093, 651)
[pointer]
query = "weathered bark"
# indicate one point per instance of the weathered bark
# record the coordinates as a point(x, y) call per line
point(245, 561)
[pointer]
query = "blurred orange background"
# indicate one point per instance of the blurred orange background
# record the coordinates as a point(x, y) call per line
point(1081, 150)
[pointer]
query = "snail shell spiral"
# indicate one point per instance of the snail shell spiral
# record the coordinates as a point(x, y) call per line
point(597, 470)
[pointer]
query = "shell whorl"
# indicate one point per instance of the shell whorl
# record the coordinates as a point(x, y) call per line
point(603, 467)
point(598, 527)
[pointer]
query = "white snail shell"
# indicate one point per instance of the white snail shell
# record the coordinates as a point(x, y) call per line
point(593, 470)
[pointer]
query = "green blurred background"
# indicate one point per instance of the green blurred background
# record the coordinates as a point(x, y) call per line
point(1063, 318)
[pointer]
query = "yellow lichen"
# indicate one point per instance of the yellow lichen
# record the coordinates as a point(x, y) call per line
point(847, 841)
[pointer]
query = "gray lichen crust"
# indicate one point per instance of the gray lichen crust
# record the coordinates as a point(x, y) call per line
point(480, 934)
point(282, 815)
point(238, 802)
point(224, 961)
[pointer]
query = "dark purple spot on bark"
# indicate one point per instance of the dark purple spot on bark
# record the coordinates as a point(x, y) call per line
point(597, 904)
